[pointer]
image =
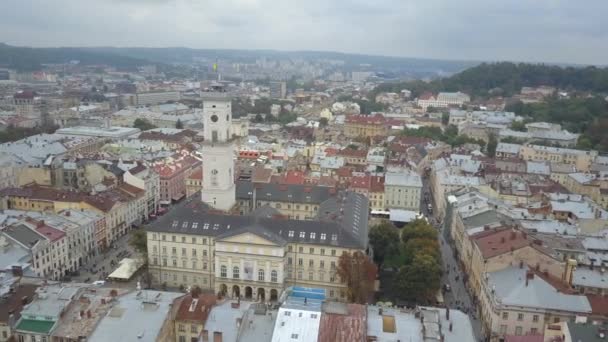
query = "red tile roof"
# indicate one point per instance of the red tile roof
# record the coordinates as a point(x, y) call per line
point(599, 305)
point(351, 152)
point(252, 155)
point(170, 170)
point(25, 94)
point(293, 177)
point(131, 190)
point(496, 242)
point(426, 96)
point(197, 174)
point(50, 233)
point(195, 309)
point(376, 184)
point(103, 201)
point(137, 169)
point(335, 327)
point(14, 301)
point(344, 171)
point(360, 182)
point(261, 175)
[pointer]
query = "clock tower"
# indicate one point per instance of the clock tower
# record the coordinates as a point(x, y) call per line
point(218, 149)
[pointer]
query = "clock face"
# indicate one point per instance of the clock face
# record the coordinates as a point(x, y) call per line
point(214, 118)
point(214, 172)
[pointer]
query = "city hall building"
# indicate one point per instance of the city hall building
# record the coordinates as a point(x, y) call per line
point(256, 256)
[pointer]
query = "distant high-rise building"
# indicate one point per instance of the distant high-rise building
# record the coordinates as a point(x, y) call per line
point(4, 75)
point(278, 90)
point(361, 76)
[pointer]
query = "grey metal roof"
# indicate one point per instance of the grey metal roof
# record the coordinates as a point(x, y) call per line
point(350, 210)
point(258, 230)
point(479, 220)
point(192, 217)
point(587, 332)
point(282, 193)
point(23, 235)
point(511, 288)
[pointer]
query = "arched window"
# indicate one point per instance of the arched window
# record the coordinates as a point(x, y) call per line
point(273, 276)
point(261, 275)
point(223, 271)
point(235, 272)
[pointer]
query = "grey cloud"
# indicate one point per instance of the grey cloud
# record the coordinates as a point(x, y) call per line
point(540, 30)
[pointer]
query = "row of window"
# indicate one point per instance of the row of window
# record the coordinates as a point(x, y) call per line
point(311, 250)
point(193, 240)
point(520, 316)
point(236, 274)
point(311, 263)
point(174, 251)
point(518, 330)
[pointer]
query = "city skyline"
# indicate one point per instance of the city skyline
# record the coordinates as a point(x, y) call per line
point(469, 30)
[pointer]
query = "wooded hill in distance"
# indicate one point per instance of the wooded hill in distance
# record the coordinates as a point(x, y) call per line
point(507, 79)
point(585, 111)
point(31, 59)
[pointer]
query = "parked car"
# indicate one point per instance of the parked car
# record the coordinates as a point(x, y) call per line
point(99, 282)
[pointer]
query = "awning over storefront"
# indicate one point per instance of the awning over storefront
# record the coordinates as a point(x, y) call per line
point(126, 270)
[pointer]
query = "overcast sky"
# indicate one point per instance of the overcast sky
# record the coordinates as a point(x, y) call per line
point(522, 30)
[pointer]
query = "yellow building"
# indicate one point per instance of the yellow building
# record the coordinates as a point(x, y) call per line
point(191, 314)
point(365, 126)
point(194, 182)
point(250, 257)
point(120, 207)
point(583, 184)
point(581, 159)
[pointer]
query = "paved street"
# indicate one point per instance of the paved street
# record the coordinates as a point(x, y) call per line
point(458, 297)
point(100, 266)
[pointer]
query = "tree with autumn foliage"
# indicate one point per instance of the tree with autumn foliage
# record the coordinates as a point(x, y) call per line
point(358, 272)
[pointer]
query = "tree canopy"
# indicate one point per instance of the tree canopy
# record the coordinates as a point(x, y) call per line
point(414, 253)
point(139, 242)
point(449, 135)
point(507, 79)
point(384, 238)
point(143, 124)
point(358, 272)
point(12, 133)
point(585, 115)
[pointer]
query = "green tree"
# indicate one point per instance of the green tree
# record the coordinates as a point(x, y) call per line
point(491, 146)
point(384, 239)
point(359, 273)
point(179, 124)
point(143, 124)
point(420, 280)
point(258, 118)
point(445, 118)
point(139, 242)
point(323, 122)
point(519, 126)
point(418, 229)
